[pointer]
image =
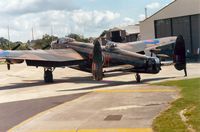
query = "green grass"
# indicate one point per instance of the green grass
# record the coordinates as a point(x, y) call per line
point(170, 121)
point(2, 62)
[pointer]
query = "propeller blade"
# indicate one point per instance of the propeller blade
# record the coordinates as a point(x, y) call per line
point(17, 46)
point(8, 66)
point(103, 33)
point(97, 64)
point(30, 48)
point(47, 46)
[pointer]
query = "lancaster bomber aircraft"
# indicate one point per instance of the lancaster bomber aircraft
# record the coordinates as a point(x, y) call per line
point(141, 56)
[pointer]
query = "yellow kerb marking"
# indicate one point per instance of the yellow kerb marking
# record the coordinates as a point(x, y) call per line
point(134, 90)
point(55, 131)
point(118, 130)
point(103, 130)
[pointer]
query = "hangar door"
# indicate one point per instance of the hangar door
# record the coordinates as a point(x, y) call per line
point(163, 28)
point(195, 22)
point(181, 26)
point(187, 26)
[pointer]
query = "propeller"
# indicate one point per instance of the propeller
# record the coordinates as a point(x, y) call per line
point(103, 33)
point(47, 46)
point(8, 65)
point(179, 54)
point(16, 47)
point(7, 60)
point(97, 64)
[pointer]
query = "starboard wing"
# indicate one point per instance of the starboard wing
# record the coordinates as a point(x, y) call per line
point(146, 45)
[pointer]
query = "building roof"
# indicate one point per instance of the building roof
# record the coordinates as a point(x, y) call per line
point(130, 29)
point(159, 10)
point(115, 29)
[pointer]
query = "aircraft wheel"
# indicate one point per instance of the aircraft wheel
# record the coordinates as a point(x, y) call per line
point(48, 76)
point(138, 77)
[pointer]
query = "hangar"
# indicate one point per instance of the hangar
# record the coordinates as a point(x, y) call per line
point(123, 34)
point(181, 17)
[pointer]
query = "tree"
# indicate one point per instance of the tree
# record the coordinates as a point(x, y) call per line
point(78, 38)
point(8, 45)
point(4, 43)
point(44, 42)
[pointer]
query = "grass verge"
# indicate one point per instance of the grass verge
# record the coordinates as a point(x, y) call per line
point(170, 121)
point(2, 61)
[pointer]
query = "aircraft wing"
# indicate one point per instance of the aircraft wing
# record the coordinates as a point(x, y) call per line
point(147, 45)
point(43, 57)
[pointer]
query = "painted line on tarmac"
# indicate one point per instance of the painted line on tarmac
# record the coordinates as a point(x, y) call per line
point(15, 128)
point(103, 130)
point(55, 131)
point(134, 90)
point(118, 130)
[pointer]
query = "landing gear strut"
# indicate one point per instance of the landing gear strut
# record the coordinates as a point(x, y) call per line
point(48, 76)
point(138, 77)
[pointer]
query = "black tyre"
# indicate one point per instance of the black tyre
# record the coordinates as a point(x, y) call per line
point(138, 77)
point(48, 76)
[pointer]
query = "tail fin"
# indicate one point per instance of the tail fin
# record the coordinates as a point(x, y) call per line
point(179, 54)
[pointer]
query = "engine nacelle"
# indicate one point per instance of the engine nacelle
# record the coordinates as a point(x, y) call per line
point(151, 65)
point(13, 61)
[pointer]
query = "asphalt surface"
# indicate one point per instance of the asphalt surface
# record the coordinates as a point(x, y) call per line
point(120, 108)
point(14, 113)
point(23, 94)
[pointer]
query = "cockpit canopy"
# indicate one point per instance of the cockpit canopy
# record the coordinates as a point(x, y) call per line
point(64, 40)
point(61, 43)
point(110, 45)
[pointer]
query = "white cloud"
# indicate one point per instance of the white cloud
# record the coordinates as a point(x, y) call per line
point(129, 21)
point(154, 5)
point(16, 7)
point(63, 16)
point(126, 21)
point(141, 17)
point(87, 23)
point(82, 17)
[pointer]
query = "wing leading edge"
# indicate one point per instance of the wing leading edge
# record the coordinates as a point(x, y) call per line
point(147, 45)
point(46, 58)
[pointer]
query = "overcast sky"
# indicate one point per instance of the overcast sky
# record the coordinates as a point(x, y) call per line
point(85, 17)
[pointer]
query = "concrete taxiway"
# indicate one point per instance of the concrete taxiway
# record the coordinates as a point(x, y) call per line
point(13, 113)
point(117, 102)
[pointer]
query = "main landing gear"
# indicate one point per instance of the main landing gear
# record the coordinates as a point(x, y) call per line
point(138, 77)
point(48, 76)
